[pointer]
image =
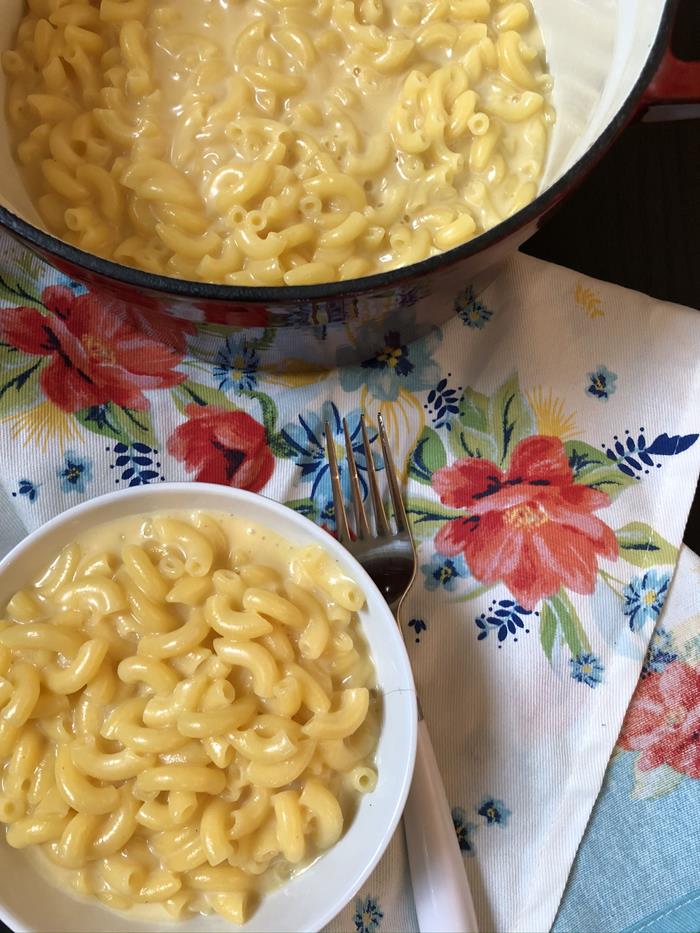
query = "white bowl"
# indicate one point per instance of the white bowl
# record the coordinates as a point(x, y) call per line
point(309, 901)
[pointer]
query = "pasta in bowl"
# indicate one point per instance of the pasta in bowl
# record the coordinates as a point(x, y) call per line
point(202, 718)
point(269, 143)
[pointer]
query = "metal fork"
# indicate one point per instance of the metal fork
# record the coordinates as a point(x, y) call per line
point(440, 887)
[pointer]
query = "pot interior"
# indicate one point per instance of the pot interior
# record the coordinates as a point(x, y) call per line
point(596, 50)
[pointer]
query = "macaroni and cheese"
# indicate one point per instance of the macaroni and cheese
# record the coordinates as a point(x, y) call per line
point(273, 142)
point(187, 713)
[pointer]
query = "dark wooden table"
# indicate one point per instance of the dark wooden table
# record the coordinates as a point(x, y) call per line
point(635, 221)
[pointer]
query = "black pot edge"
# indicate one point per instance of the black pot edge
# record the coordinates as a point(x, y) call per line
point(238, 294)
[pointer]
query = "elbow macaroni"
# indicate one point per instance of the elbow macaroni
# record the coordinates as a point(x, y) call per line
point(263, 143)
point(218, 736)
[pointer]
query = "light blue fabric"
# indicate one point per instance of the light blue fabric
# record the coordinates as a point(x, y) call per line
point(638, 867)
point(682, 916)
point(635, 856)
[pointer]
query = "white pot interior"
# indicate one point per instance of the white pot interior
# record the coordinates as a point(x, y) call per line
point(596, 50)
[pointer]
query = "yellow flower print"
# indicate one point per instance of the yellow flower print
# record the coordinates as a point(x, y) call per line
point(297, 373)
point(404, 419)
point(551, 418)
point(587, 299)
point(43, 425)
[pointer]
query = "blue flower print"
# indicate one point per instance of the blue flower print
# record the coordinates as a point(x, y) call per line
point(75, 472)
point(444, 572)
point(494, 812)
point(465, 831)
point(601, 383)
point(326, 515)
point(27, 488)
point(59, 278)
point(306, 441)
point(504, 617)
point(406, 296)
point(402, 298)
point(315, 313)
point(137, 464)
point(659, 654)
point(397, 365)
point(418, 626)
point(644, 597)
point(236, 367)
point(443, 402)
point(587, 669)
point(636, 457)
point(471, 311)
point(368, 917)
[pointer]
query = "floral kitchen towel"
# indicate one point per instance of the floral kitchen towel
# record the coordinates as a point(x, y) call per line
point(548, 435)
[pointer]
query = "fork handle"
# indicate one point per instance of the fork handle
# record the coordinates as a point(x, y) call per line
point(440, 888)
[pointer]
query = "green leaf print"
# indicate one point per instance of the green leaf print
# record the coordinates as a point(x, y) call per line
point(190, 392)
point(15, 294)
point(559, 616)
point(548, 631)
point(279, 447)
point(265, 340)
point(122, 424)
point(511, 418)
point(305, 507)
point(29, 265)
point(268, 410)
point(471, 434)
point(428, 456)
point(592, 468)
point(640, 545)
point(427, 516)
point(19, 379)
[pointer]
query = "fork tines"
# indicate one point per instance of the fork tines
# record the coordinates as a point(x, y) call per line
point(362, 526)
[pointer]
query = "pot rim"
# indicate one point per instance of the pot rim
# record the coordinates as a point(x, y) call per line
point(171, 287)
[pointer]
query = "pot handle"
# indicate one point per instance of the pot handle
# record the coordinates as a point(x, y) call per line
point(674, 91)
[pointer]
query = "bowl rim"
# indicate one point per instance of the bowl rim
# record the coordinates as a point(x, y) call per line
point(269, 508)
point(172, 287)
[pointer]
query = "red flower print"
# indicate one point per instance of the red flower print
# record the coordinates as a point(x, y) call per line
point(146, 311)
point(161, 326)
point(663, 721)
point(148, 314)
point(97, 354)
point(235, 315)
point(531, 527)
point(226, 447)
